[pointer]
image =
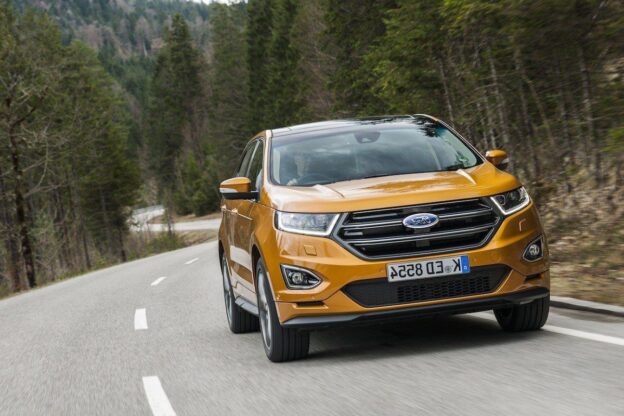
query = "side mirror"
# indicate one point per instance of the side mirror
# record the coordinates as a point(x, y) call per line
point(237, 188)
point(498, 158)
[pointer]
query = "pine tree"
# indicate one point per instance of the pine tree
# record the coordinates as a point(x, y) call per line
point(175, 103)
point(284, 87)
point(228, 78)
point(355, 26)
point(259, 33)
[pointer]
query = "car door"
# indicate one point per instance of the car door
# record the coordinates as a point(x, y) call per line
point(244, 223)
point(231, 217)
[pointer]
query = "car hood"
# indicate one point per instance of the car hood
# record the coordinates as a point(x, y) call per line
point(391, 191)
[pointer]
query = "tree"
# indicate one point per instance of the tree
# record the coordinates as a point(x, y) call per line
point(228, 112)
point(259, 34)
point(175, 104)
point(284, 87)
point(30, 62)
point(62, 140)
point(355, 26)
point(316, 63)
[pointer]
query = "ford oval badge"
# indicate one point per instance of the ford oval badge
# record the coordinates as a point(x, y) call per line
point(417, 221)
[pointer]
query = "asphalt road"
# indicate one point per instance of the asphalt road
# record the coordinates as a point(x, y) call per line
point(141, 217)
point(77, 348)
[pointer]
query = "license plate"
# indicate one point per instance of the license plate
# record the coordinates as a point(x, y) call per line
point(427, 268)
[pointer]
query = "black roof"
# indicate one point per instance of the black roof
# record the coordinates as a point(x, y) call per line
point(337, 124)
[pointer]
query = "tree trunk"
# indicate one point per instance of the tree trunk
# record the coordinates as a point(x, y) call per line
point(447, 93)
point(589, 116)
point(20, 212)
point(107, 225)
point(10, 243)
point(536, 98)
point(490, 123)
point(122, 249)
point(500, 104)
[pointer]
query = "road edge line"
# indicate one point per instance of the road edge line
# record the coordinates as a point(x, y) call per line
point(586, 306)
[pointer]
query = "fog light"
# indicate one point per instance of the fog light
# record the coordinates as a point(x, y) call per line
point(535, 250)
point(298, 278)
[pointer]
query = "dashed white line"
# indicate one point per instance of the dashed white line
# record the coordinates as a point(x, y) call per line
point(140, 319)
point(191, 261)
point(157, 281)
point(156, 397)
point(567, 331)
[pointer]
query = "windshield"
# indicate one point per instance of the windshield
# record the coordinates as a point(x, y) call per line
point(367, 151)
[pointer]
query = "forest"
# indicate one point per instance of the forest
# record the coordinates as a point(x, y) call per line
point(106, 106)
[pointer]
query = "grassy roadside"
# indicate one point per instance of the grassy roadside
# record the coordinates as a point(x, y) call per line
point(138, 245)
point(586, 241)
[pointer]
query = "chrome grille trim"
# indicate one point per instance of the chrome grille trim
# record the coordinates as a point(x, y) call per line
point(464, 225)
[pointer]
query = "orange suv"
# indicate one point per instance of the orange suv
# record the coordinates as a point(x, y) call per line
point(386, 218)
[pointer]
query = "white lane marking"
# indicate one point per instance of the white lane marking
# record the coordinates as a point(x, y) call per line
point(192, 260)
point(156, 397)
point(567, 331)
point(586, 335)
point(157, 281)
point(140, 319)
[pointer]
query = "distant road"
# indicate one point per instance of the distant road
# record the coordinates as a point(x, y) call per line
point(149, 337)
point(141, 218)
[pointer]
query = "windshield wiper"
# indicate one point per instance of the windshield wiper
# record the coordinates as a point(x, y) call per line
point(379, 175)
point(456, 166)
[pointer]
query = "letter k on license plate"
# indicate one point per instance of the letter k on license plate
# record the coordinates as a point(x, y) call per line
point(427, 268)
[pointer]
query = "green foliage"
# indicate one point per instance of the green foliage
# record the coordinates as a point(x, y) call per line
point(68, 179)
point(406, 58)
point(283, 84)
point(259, 34)
point(161, 243)
point(228, 102)
point(196, 190)
point(355, 26)
point(174, 99)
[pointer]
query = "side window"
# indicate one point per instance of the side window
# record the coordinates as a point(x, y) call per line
point(255, 168)
point(244, 164)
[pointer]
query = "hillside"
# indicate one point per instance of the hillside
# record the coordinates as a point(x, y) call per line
point(127, 34)
point(131, 28)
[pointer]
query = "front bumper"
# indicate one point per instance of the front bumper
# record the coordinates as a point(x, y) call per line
point(447, 308)
point(329, 304)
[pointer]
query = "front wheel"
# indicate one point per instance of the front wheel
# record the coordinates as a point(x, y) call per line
point(527, 317)
point(280, 344)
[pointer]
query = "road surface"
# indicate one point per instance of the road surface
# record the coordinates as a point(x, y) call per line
point(141, 218)
point(150, 338)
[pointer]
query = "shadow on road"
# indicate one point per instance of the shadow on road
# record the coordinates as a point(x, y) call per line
point(410, 338)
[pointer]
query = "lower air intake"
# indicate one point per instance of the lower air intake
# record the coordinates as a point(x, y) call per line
point(380, 292)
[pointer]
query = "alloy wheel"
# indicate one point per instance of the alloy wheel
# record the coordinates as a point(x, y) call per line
point(227, 290)
point(265, 313)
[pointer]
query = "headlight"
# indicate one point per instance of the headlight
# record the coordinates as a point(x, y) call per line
point(311, 224)
point(512, 201)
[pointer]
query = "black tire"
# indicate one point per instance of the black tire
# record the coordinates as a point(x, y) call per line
point(280, 344)
point(239, 320)
point(528, 317)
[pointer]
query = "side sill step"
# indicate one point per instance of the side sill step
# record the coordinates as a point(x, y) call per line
point(247, 305)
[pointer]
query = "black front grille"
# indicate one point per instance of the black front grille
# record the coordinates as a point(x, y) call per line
point(380, 292)
point(380, 234)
